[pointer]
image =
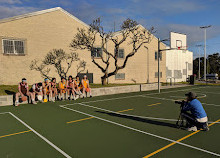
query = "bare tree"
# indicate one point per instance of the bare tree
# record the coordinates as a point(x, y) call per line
point(81, 67)
point(60, 60)
point(131, 32)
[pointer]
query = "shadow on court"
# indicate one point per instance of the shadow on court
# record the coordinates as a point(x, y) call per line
point(154, 122)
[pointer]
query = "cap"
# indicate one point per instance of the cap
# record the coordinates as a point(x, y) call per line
point(191, 95)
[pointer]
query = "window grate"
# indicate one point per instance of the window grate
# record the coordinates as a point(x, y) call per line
point(96, 52)
point(120, 76)
point(13, 46)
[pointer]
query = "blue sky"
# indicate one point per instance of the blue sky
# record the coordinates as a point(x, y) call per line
point(183, 16)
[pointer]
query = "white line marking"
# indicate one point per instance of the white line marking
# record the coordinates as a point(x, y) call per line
point(144, 117)
point(140, 95)
point(2, 113)
point(137, 130)
point(208, 92)
point(42, 137)
point(173, 100)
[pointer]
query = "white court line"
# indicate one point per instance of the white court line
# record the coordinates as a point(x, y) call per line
point(208, 92)
point(140, 95)
point(144, 117)
point(42, 137)
point(2, 113)
point(143, 132)
point(173, 100)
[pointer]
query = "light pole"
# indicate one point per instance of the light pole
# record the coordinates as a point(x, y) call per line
point(199, 57)
point(205, 27)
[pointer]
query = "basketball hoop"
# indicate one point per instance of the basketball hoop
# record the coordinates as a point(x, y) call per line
point(182, 48)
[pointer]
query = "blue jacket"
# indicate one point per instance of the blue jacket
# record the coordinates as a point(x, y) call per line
point(196, 108)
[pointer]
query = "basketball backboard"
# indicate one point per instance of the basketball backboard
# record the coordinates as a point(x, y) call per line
point(178, 41)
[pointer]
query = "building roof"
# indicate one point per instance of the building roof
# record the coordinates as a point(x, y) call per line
point(52, 10)
point(39, 13)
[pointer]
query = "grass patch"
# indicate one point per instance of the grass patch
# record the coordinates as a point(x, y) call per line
point(8, 89)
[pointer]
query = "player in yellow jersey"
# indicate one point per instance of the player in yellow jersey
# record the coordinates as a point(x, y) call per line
point(62, 88)
point(47, 90)
point(78, 87)
point(85, 86)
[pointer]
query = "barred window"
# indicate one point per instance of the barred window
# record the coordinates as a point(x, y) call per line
point(120, 76)
point(120, 53)
point(13, 46)
point(96, 52)
point(156, 74)
point(156, 55)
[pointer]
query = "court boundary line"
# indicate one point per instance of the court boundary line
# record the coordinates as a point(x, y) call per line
point(140, 131)
point(139, 95)
point(144, 117)
point(174, 100)
point(179, 140)
point(39, 135)
point(2, 113)
point(88, 118)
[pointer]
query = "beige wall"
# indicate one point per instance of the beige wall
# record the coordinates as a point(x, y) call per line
point(56, 29)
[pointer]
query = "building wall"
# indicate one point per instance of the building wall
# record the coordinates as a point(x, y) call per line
point(179, 65)
point(55, 30)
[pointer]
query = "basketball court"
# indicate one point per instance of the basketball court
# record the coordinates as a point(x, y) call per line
point(123, 125)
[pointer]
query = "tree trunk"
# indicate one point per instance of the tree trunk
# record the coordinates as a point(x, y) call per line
point(104, 80)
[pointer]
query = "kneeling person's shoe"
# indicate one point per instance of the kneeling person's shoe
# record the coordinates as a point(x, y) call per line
point(205, 127)
point(193, 128)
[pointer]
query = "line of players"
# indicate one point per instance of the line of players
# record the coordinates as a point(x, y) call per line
point(51, 91)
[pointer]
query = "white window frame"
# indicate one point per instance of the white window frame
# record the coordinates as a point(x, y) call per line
point(95, 56)
point(13, 45)
point(123, 53)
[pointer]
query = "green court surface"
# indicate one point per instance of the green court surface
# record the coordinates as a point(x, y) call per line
point(132, 125)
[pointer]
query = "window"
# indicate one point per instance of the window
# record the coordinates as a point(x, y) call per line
point(120, 53)
point(11, 46)
point(120, 76)
point(156, 74)
point(160, 56)
point(96, 52)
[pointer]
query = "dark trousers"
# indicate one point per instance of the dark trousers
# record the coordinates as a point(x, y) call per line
point(192, 121)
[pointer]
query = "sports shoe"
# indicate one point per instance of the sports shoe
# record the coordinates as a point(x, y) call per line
point(34, 102)
point(68, 98)
point(74, 98)
point(193, 128)
point(45, 100)
point(77, 97)
point(16, 103)
point(205, 127)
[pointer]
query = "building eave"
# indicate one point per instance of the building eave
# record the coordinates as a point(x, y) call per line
point(39, 13)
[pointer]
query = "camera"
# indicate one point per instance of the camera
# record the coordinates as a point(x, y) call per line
point(182, 103)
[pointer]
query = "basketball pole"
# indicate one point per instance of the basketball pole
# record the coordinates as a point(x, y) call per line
point(158, 60)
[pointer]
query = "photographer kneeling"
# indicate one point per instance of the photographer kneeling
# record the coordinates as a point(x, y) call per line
point(197, 118)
